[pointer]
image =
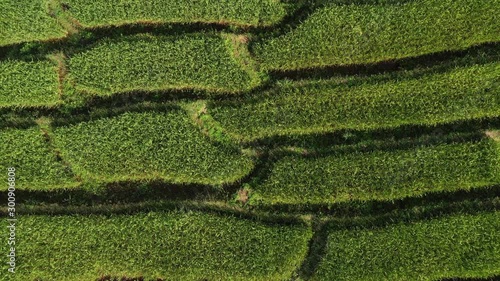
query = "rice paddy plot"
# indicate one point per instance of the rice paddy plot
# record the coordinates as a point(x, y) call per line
point(458, 246)
point(361, 33)
point(145, 63)
point(28, 84)
point(148, 145)
point(233, 12)
point(168, 245)
point(352, 174)
point(364, 103)
point(27, 21)
point(36, 163)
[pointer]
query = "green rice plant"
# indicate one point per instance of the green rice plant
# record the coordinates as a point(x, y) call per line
point(147, 63)
point(26, 21)
point(28, 84)
point(361, 103)
point(458, 246)
point(357, 174)
point(36, 164)
point(118, 12)
point(168, 245)
point(149, 145)
point(360, 33)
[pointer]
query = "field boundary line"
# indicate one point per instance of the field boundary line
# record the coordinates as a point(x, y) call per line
point(44, 125)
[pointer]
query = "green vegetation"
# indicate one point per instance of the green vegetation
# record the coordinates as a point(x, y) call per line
point(234, 12)
point(37, 167)
point(135, 146)
point(172, 246)
point(339, 34)
point(388, 174)
point(147, 63)
point(251, 139)
point(359, 103)
point(464, 246)
point(27, 20)
point(28, 84)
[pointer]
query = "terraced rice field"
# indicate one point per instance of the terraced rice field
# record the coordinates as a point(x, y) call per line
point(29, 84)
point(350, 173)
point(377, 102)
point(180, 245)
point(162, 63)
point(234, 12)
point(250, 140)
point(427, 250)
point(360, 32)
point(25, 21)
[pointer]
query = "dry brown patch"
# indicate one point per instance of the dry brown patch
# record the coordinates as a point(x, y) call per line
point(236, 42)
point(203, 110)
point(243, 39)
point(242, 196)
point(493, 134)
point(298, 150)
point(62, 70)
